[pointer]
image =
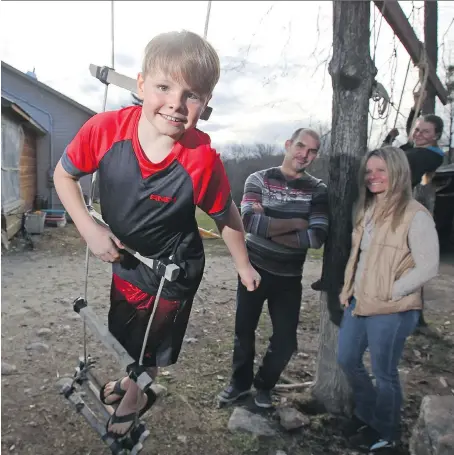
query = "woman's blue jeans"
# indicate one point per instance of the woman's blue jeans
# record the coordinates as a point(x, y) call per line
point(384, 335)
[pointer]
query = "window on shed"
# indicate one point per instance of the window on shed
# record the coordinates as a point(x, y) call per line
point(12, 145)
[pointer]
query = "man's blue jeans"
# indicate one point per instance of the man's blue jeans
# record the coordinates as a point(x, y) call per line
point(385, 336)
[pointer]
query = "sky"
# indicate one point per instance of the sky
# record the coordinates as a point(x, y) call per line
point(274, 57)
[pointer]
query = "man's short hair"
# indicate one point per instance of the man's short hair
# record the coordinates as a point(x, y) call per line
point(308, 131)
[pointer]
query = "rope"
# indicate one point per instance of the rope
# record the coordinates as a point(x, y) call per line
point(402, 94)
point(373, 60)
point(406, 75)
point(92, 193)
point(207, 20)
point(423, 78)
point(90, 202)
point(155, 306)
point(379, 29)
point(94, 177)
point(423, 75)
point(370, 129)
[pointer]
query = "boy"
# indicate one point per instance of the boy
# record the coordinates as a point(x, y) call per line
point(154, 168)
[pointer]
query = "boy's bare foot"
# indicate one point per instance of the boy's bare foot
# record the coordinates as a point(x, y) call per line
point(114, 391)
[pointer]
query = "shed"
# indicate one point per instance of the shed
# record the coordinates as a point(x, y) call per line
point(59, 118)
point(20, 134)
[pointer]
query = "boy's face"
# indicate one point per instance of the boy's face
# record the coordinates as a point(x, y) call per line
point(424, 134)
point(169, 106)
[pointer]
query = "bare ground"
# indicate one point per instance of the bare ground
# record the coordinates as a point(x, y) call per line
point(38, 288)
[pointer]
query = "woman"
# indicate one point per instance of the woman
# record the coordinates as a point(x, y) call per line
point(394, 252)
point(424, 156)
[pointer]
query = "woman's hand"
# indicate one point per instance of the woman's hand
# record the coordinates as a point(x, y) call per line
point(345, 302)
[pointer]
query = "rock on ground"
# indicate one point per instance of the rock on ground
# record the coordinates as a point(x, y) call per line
point(38, 347)
point(8, 369)
point(244, 420)
point(291, 419)
point(44, 332)
point(158, 389)
point(433, 433)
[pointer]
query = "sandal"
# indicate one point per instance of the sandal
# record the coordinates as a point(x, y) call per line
point(151, 398)
point(117, 390)
point(119, 419)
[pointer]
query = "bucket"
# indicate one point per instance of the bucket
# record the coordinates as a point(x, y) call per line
point(35, 221)
point(55, 217)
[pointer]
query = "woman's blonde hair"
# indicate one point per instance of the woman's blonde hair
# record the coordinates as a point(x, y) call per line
point(186, 57)
point(399, 191)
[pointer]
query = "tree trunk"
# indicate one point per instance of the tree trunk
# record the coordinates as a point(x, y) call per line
point(331, 388)
point(352, 74)
point(431, 42)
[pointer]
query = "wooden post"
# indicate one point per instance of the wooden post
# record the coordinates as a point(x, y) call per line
point(431, 41)
point(395, 17)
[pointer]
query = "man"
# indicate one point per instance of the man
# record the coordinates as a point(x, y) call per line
point(285, 212)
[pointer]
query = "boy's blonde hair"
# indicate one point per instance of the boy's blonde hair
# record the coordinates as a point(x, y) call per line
point(185, 57)
point(399, 192)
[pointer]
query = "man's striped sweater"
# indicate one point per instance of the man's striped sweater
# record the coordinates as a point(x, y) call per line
point(283, 200)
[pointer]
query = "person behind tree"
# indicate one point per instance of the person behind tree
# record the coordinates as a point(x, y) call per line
point(394, 253)
point(422, 150)
point(423, 154)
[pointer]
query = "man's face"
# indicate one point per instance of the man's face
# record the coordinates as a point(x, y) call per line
point(301, 152)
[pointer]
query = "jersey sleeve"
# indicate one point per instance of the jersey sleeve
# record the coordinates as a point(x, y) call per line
point(216, 198)
point(81, 155)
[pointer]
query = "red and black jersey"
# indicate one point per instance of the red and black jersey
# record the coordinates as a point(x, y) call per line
point(151, 207)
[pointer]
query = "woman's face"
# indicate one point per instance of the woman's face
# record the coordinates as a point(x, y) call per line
point(376, 175)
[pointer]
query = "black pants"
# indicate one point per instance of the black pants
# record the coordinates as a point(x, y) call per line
point(284, 304)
